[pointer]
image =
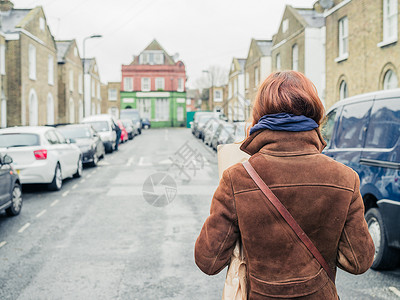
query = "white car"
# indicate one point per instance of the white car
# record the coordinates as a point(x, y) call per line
point(105, 126)
point(41, 155)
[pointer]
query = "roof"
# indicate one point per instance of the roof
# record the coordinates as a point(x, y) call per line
point(11, 19)
point(88, 64)
point(312, 18)
point(62, 49)
point(155, 46)
point(242, 63)
point(264, 46)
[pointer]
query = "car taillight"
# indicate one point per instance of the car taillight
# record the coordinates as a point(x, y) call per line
point(40, 154)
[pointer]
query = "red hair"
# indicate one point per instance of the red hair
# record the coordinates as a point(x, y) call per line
point(288, 92)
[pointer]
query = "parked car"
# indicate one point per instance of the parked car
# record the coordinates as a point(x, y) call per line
point(129, 127)
point(10, 187)
point(124, 133)
point(209, 131)
point(105, 127)
point(239, 134)
point(41, 154)
point(363, 133)
point(200, 124)
point(88, 141)
point(134, 115)
point(146, 124)
point(224, 130)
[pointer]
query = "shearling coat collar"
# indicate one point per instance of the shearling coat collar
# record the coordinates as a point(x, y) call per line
point(284, 143)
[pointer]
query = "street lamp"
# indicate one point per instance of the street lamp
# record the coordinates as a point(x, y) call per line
point(93, 36)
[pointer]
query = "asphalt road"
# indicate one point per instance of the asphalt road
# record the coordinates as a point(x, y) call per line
point(98, 238)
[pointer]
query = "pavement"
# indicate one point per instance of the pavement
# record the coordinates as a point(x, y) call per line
point(101, 237)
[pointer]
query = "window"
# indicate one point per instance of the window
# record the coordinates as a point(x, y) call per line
point(128, 84)
point(71, 111)
point(159, 58)
point(180, 85)
point(247, 80)
point(80, 84)
point(343, 93)
point(144, 106)
point(33, 109)
point(351, 129)
point(32, 62)
point(146, 84)
point(162, 109)
point(50, 110)
point(384, 125)
point(256, 76)
point(343, 36)
point(3, 59)
point(328, 126)
point(50, 70)
point(285, 25)
point(80, 111)
point(51, 137)
point(160, 83)
point(180, 114)
point(42, 24)
point(389, 20)
point(112, 94)
point(93, 89)
point(217, 96)
point(71, 80)
point(278, 61)
point(390, 81)
point(98, 91)
point(295, 57)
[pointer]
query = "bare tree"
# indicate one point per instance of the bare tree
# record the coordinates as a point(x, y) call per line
point(215, 75)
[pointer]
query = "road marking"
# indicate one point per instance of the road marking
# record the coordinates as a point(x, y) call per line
point(65, 193)
point(22, 229)
point(3, 243)
point(90, 175)
point(142, 163)
point(94, 171)
point(394, 291)
point(54, 202)
point(41, 213)
point(75, 186)
point(130, 161)
point(83, 180)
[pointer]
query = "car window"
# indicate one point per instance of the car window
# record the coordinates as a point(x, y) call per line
point(351, 129)
point(19, 140)
point(328, 126)
point(384, 126)
point(51, 137)
point(100, 126)
point(60, 137)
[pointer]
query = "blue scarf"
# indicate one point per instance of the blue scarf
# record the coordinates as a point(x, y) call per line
point(284, 122)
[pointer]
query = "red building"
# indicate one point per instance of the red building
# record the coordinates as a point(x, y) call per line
point(154, 83)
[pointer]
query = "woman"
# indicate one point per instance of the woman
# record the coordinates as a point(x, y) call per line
point(321, 194)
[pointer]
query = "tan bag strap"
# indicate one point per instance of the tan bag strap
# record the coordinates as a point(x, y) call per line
point(288, 218)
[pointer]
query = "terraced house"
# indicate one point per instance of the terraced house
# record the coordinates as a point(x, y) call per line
point(92, 87)
point(154, 83)
point(70, 82)
point(237, 108)
point(31, 66)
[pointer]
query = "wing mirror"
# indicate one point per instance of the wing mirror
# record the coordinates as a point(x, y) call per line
point(7, 160)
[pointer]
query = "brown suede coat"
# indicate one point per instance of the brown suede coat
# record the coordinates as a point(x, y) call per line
point(322, 195)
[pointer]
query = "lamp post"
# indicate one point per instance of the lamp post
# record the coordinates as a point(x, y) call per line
point(93, 36)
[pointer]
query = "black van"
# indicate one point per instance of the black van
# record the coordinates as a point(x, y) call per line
point(363, 133)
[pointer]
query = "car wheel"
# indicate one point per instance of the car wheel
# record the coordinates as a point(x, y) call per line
point(385, 257)
point(56, 184)
point(16, 201)
point(95, 160)
point(79, 169)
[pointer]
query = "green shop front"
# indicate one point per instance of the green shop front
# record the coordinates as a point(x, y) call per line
point(163, 109)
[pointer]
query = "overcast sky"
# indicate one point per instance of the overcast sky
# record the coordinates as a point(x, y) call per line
point(203, 32)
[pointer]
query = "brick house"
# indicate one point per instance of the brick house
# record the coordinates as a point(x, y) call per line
point(70, 82)
point(216, 100)
point(91, 87)
point(362, 50)
point(154, 83)
point(31, 66)
point(238, 109)
point(299, 45)
point(3, 83)
point(257, 67)
point(110, 98)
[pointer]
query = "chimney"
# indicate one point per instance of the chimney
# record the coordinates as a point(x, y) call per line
point(6, 5)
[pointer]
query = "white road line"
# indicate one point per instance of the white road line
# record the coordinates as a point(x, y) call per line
point(41, 213)
point(90, 175)
point(394, 291)
point(75, 186)
point(54, 202)
point(94, 171)
point(130, 161)
point(65, 193)
point(141, 160)
point(83, 180)
point(3, 243)
point(22, 229)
